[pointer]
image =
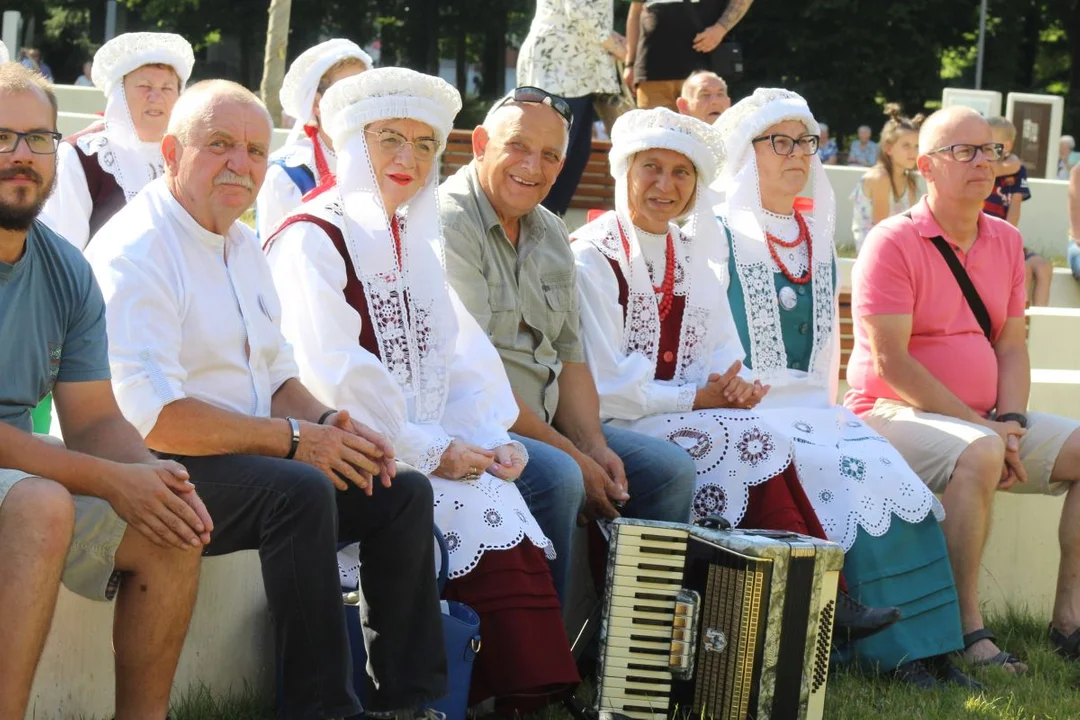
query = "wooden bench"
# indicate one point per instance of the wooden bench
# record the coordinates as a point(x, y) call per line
point(847, 331)
point(596, 189)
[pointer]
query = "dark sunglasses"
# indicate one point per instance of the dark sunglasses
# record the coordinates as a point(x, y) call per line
point(529, 94)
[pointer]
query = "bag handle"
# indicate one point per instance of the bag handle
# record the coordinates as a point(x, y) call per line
point(967, 287)
point(444, 564)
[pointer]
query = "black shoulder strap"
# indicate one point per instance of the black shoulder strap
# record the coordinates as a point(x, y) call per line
point(978, 307)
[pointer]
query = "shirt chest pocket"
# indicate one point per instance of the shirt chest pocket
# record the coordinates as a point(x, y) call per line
point(502, 299)
point(558, 303)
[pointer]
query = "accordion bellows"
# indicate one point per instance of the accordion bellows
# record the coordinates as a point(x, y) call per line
point(716, 623)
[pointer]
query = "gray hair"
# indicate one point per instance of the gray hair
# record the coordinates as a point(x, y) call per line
point(1068, 140)
point(822, 127)
point(506, 101)
point(864, 127)
point(196, 103)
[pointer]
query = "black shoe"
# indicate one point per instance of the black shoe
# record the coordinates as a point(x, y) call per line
point(916, 673)
point(855, 621)
point(1065, 647)
point(946, 672)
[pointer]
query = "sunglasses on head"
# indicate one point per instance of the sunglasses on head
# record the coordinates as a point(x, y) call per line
point(528, 94)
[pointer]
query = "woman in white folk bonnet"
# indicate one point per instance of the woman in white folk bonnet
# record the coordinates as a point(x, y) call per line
point(782, 292)
point(377, 331)
point(307, 158)
point(102, 167)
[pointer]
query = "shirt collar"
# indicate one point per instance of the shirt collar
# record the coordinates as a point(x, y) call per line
point(189, 226)
point(488, 216)
point(928, 226)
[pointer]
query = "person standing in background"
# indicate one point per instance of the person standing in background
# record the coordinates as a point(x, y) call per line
point(864, 151)
point(1065, 148)
point(665, 43)
point(570, 51)
point(827, 150)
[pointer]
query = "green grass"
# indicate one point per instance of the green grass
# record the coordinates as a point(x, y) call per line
point(1049, 691)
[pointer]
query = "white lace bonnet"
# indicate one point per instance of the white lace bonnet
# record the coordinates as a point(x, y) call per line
point(130, 51)
point(640, 130)
point(352, 104)
point(301, 82)
point(4, 55)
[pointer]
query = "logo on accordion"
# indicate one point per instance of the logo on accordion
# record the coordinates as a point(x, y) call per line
point(714, 640)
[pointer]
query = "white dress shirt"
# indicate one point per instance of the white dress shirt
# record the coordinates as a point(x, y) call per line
point(190, 313)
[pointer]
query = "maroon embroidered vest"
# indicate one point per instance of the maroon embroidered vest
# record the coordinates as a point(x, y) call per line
point(670, 328)
point(106, 195)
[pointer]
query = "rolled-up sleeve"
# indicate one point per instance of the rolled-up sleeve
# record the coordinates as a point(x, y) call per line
point(143, 312)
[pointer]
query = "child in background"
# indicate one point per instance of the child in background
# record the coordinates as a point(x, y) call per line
point(1010, 190)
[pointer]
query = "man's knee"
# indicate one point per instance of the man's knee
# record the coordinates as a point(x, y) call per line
point(981, 463)
point(43, 512)
point(413, 485)
point(310, 489)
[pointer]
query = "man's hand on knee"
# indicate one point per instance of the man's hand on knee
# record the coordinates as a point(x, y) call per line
point(148, 498)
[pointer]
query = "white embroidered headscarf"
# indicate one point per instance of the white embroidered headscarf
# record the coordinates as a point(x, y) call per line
point(133, 162)
point(739, 182)
point(634, 132)
point(301, 82)
point(412, 343)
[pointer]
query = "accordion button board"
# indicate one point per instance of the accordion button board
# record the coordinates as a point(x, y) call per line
point(730, 624)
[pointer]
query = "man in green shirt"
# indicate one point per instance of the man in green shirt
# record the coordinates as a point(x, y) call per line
point(509, 260)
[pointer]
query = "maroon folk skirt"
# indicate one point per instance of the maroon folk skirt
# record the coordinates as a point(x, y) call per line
point(524, 660)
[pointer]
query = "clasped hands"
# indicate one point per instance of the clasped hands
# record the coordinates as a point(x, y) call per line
point(462, 461)
point(1012, 471)
point(729, 391)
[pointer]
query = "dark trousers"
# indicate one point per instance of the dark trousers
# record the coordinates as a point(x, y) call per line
point(294, 517)
point(577, 156)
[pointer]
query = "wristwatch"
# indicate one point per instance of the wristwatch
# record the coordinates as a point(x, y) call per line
point(294, 426)
point(1019, 418)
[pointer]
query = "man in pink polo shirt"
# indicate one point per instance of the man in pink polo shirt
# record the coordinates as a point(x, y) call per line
point(950, 398)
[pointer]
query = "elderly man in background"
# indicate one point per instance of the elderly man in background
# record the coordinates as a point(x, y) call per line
point(704, 96)
point(827, 149)
point(307, 158)
point(864, 151)
point(101, 168)
point(1074, 221)
point(943, 373)
point(1065, 148)
point(510, 262)
point(201, 369)
point(103, 516)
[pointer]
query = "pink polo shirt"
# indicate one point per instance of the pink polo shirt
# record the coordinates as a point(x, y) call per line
point(900, 272)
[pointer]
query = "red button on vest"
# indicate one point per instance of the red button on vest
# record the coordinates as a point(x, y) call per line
point(669, 356)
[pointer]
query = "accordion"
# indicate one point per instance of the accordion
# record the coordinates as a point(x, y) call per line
point(711, 622)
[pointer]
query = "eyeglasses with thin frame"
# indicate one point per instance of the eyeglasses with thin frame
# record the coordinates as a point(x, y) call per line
point(966, 152)
point(40, 142)
point(530, 94)
point(785, 144)
point(392, 142)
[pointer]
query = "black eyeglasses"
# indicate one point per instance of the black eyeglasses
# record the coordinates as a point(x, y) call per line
point(40, 142)
point(529, 94)
point(785, 144)
point(966, 152)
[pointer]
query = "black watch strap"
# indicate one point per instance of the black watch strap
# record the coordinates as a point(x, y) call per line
point(294, 426)
point(1014, 417)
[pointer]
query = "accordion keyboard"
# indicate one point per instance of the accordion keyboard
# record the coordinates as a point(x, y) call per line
point(649, 633)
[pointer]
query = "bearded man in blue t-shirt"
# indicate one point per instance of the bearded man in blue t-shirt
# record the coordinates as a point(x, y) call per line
point(102, 515)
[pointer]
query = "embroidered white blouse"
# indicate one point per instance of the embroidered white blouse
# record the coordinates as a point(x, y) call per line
point(190, 313)
point(279, 195)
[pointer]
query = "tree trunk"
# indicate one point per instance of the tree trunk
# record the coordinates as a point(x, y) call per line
point(277, 44)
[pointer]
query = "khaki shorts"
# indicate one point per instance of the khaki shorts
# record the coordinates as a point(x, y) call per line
point(931, 444)
point(89, 568)
point(658, 93)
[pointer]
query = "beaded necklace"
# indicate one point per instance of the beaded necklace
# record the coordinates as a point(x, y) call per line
point(666, 291)
point(804, 236)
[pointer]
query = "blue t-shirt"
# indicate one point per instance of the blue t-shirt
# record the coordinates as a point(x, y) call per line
point(52, 324)
point(1007, 190)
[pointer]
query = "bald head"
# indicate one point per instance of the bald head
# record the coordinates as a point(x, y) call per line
point(704, 96)
point(536, 115)
point(196, 105)
point(954, 124)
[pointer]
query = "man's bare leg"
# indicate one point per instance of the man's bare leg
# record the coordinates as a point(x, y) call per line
point(153, 609)
point(969, 502)
point(36, 521)
point(1067, 599)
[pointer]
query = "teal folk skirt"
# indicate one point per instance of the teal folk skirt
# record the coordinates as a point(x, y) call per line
point(907, 567)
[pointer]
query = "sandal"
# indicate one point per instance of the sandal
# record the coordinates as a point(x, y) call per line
point(1067, 647)
point(1003, 659)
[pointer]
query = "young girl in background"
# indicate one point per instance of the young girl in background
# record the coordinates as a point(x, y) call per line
point(889, 186)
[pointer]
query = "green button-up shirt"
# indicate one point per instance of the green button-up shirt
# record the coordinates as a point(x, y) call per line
point(525, 297)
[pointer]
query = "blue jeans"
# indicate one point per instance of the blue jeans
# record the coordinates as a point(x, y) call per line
point(1074, 259)
point(661, 477)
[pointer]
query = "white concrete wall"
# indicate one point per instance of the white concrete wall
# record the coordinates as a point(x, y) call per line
point(229, 645)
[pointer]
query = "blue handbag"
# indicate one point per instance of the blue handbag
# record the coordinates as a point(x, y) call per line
point(461, 635)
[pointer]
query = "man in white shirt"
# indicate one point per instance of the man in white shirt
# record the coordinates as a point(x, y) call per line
point(307, 158)
point(201, 369)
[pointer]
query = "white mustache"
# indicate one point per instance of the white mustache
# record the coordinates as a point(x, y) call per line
point(228, 177)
